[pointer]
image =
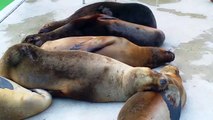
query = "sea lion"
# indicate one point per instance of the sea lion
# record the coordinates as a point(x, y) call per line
point(165, 105)
point(18, 103)
point(77, 74)
point(115, 47)
point(102, 25)
point(130, 12)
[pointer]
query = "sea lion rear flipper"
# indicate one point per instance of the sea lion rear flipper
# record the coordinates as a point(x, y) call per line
point(17, 102)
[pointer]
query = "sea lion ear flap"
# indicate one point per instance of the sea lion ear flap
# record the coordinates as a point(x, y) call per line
point(170, 69)
point(30, 51)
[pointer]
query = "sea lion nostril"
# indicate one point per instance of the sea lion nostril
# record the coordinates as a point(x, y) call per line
point(163, 82)
point(171, 55)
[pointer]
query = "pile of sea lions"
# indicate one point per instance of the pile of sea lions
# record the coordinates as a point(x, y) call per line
point(104, 52)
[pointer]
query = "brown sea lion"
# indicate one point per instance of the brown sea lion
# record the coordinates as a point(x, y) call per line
point(130, 12)
point(77, 74)
point(165, 105)
point(18, 103)
point(115, 47)
point(102, 25)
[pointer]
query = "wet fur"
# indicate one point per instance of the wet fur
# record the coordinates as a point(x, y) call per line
point(130, 12)
point(76, 74)
point(115, 47)
point(102, 25)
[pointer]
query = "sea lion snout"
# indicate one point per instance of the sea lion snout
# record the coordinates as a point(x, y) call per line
point(169, 55)
point(34, 39)
point(159, 38)
point(161, 57)
point(163, 83)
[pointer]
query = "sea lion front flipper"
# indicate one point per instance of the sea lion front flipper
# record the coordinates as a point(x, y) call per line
point(148, 105)
point(18, 103)
point(92, 45)
point(172, 98)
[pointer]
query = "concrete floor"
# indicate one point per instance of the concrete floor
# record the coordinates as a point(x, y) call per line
point(188, 25)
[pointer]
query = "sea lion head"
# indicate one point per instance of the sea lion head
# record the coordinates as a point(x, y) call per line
point(175, 93)
point(15, 55)
point(161, 105)
point(161, 56)
point(149, 80)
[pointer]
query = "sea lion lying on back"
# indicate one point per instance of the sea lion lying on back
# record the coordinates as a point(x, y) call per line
point(114, 47)
point(130, 12)
point(77, 74)
point(165, 105)
point(102, 25)
point(17, 103)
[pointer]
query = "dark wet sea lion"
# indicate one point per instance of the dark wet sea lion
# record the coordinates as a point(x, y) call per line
point(102, 25)
point(130, 12)
point(115, 47)
point(77, 74)
point(18, 103)
point(165, 105)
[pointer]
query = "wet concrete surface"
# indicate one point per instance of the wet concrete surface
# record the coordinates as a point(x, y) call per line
point(196, 57)
point(189, 33)
point(33, 1)
point(158, 2)
point(17, 32)
point(178, 13)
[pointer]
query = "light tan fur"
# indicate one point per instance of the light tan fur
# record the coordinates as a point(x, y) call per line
point(115, 47)
point(77, 74)
point(20, 103)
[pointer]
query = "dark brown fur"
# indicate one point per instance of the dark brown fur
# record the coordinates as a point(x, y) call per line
point(130, 12)
point(102, 25)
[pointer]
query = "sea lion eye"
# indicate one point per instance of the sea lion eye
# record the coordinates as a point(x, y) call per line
point(163, 82)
